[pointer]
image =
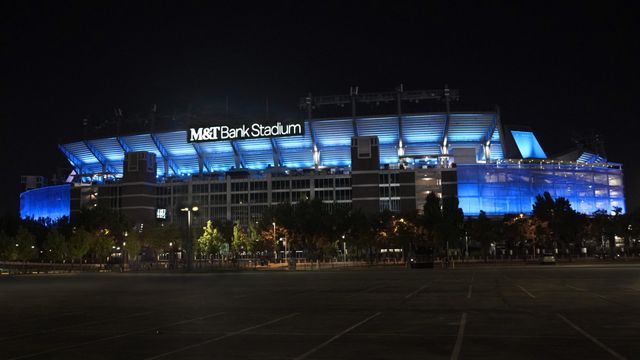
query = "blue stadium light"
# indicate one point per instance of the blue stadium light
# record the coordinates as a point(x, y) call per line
point(385, 128)
point(511, 189)
point(51, 202)
point(528, 145)
point(423, 128)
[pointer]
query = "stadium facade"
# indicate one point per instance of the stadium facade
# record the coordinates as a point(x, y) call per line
point(370, 163)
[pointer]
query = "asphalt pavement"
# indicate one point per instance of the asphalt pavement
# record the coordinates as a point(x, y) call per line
point(497, 312)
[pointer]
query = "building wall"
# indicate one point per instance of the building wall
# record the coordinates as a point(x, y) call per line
point(47, 202)
point(501, 189)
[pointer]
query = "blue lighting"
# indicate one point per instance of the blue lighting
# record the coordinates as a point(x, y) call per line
point(423, 128)
point(48, 202)
point(337, 156)
point(469, 127)
point(528, 145)
point(333, 132)
point(385, 128)
point(511, 189)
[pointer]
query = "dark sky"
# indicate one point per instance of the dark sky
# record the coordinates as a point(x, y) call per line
point(557, 68)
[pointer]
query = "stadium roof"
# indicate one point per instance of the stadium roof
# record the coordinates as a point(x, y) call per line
point(418, 134)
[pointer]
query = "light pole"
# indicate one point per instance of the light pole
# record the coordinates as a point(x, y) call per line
point(344, 250)
point(189, 243)
point(275, 251)
point(466, 244)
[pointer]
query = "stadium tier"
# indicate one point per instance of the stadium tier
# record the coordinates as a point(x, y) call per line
point(372, 163)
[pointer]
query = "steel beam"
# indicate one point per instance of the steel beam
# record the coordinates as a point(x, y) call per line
point(165, 154)
point(277, 158)
point(123, 144)
point(200, 153)
point(236, 155)
point(101, 159)
point(73, 160)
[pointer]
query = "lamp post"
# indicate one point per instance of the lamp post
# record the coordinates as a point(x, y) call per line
point(344, 250)
point(189, 242)
point(275, 251)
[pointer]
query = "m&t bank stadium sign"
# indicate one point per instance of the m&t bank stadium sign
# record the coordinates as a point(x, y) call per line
point(253, 131)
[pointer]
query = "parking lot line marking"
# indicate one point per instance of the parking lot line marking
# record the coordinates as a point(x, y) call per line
point(417, 291)
point(67, 347)
point(473, 276)
point(526, 292)
point(469, 293)
point(221, 337)
point(337, 336)
point(458, 346)
point(94, 322)
point(593, 339)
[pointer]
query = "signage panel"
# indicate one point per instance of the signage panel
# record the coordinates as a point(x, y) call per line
point(244, 131)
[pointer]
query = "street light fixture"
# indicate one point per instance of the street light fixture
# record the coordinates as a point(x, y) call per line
point(189, 245)
point(344, 249)
point(275, 252)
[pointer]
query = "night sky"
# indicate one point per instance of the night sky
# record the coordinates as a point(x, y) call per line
point(556, 69)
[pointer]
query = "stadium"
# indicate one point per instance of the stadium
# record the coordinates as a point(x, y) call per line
point(366, 162)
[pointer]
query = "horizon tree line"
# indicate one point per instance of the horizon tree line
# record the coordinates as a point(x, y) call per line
point(321, 232)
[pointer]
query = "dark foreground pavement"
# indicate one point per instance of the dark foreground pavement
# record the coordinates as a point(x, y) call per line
point(581, 312)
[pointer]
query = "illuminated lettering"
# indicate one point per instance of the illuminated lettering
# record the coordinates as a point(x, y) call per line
point(256, 130)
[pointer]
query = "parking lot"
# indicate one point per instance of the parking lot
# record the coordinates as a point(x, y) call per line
point(505, 312)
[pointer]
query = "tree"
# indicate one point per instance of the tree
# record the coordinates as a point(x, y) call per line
point(132, 245)
point(78, 244)
point(210, 242)
point(55, 246)
point(622, 227)
point(256, 244)
point(452, 223)
point(159, 237)
point(482, 232)
point(361, 235)
point(7, 247)
point(557, 223)
point(25, 241)
point(431, 217)
point(101, 245)
point(240, 240)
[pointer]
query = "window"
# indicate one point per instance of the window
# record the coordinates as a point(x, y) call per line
point(343, 195)
point(388, 191)
point(280, 197)
point(280, 185)
point(219, 188)
point(180, 189)
point(300, 184)
point(239, 186)
point(364, 148)
point(343, 182)
point(200, 188)
point(388, 178)
point(323, 183)
point(239, 198)
point(391, 205)
point(324, 195)
point(218, 212)
point(260, 197)
point(219, 199)
point(300, 196)
point(133, 162)
point(258, 185)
